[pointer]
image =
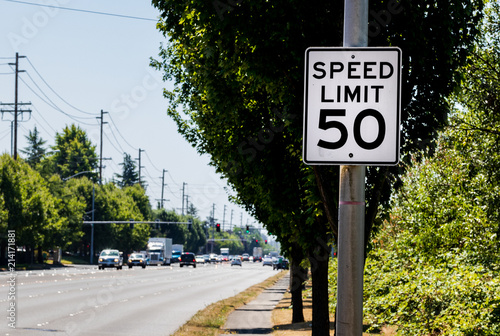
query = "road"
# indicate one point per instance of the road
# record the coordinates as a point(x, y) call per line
point(87, 301)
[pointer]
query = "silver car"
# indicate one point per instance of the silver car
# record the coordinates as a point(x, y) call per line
point(110, 258)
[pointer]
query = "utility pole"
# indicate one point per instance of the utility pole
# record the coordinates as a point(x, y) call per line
point(213, 226)
point(100, 151)
point(349, 320)
point(223, 217)
point(140, 151)
point(162, 189)
point(16, 104)
point(162, 186)
point(231, 221)
point(183, 185)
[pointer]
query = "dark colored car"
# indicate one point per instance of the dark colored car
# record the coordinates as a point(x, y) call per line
point(137, 259)
point(280, 263)
point(188, 259)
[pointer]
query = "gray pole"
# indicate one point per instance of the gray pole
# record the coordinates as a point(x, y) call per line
point(223, 217)
point(140, 151)
point(100, 151)
point(231, 221)
point(349, 320)
point(92, 227)
point(183, 185)
point(162, 187)
point(15, 108)
point(213, 226)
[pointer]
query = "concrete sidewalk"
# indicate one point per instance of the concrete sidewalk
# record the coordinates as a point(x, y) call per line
point(254, 318)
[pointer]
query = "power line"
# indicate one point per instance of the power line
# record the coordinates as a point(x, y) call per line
point(124, 139)
point(114, 136)
point(112, 144)
point(150, 161)
point(39, 75)
point(53, 106)
point(50, 100)
point(83, 10)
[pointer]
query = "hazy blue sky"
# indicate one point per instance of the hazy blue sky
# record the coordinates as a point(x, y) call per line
point(101, 62)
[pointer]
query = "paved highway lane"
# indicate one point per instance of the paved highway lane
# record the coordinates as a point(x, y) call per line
point(88, 301)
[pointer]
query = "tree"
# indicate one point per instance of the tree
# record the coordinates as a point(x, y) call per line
point(476, 119)
point(192, 211)
point(35, 150)
point(238, 70)
point(74, 153)
point(28, 206)
point(140, 199)
point(130, 175)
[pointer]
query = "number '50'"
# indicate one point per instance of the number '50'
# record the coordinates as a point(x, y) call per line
point(325, 125)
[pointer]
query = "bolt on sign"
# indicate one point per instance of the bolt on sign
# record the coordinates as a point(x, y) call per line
point(352, 105)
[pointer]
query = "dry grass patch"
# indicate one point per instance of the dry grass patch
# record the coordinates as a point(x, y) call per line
point(282, 317)
point(209, 321)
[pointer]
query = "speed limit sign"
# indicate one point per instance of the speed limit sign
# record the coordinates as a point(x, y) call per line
point(352, 106)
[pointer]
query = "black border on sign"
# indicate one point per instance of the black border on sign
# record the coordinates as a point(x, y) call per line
point(398, 114)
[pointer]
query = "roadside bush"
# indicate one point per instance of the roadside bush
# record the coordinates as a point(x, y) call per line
point(450, 298)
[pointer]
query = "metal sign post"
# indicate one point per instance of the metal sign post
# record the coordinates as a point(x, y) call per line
point(352, 119)
point(349, 320)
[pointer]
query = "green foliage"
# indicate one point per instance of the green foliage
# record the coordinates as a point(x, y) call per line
point(129, 175)
point(446, 298)
point(35, 150)
point(235, 245)
point(140, 199)
point(74, 153)
point(435, 263)
point(28, 206)
point(442, 207)
point(191, 236)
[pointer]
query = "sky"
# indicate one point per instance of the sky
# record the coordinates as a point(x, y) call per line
point(78, 63)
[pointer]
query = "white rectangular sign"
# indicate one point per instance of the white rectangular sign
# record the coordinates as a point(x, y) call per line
point(352, 106)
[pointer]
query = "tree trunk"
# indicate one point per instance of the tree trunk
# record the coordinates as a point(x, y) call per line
point(319, 270)
point(40, 255)
point(297, 277)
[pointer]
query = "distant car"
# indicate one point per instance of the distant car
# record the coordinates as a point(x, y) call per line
point(110, 258)
point(236, 261)
point(176, 256)
point(200, 259)
point(188, 259)
point(245, 257)
point(280, 263)
point(207, 258)
point(267, 261)
point(213, 258)
point(137, 259)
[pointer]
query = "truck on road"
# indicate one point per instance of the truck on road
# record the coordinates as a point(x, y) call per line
point(159, 251)
point(224, 252)
point(257, 254)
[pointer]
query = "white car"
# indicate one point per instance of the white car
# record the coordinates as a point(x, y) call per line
point(267, 261)
point(200, 259)
point(236, 261)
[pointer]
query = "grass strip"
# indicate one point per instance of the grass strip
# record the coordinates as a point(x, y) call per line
point(209, 321)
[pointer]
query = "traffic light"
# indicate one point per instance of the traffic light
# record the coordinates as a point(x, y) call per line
point(217, 227)
point(265, 241)
point(248, 229)
point(257, 241)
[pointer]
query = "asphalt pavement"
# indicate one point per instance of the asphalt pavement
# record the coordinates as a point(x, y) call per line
point(254, 318)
